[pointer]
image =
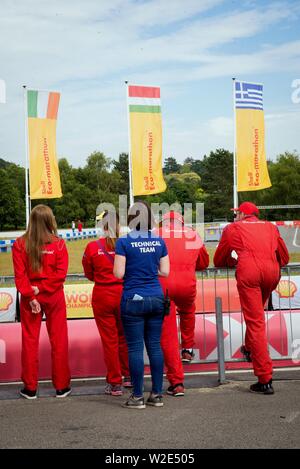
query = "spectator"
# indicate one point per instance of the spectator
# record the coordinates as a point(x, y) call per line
point(73, 227)
point(187, 254)
point(260, 252)
point(40, 261)
point(98, 262)
point(79, 227)
point(140, 257)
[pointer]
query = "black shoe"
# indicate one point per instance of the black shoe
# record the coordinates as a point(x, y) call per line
point(134, 403)
point(260, 388)
point(187, 355)
point(176, 390)
point(28, 394)
point(155, 399)
point(246, 353)
point(63, 392)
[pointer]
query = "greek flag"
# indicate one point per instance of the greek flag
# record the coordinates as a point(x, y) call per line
point(248, 95)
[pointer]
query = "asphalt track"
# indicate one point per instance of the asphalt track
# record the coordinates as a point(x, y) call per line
point(208, 416)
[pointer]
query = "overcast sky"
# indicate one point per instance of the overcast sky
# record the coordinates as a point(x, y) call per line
point(86, 49)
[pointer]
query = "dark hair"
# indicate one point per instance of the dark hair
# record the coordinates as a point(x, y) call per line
point(140, 216)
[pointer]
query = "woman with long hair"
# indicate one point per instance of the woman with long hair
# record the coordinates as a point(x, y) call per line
point(40, 260)
point(98, 262)
point(140, 257)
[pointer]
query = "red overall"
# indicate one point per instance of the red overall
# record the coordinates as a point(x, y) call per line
point(51, 297)
point(98, 266)
point(261, 251)
point(187, 254)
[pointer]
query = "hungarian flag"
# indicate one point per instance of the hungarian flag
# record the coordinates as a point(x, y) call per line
point(42, 109)
point(145, 139)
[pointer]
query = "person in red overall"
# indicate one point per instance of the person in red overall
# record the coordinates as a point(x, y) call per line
point(79, 227)
point(40, 260)
point(187, 254)
point(98, 263)
point(260, 254)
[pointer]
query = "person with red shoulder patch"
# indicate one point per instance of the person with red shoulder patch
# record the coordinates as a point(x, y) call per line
point(98, 263)
point(40, 261)
point(259, 252)
point(187, 254)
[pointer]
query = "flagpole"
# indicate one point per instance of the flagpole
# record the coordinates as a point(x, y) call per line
point(27, 201)
point(235, 193)
point(131, 197)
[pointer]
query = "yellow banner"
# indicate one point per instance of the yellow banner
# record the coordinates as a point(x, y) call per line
point(43, 167)
point(78, 300)
point(252, 170)
point(146, 153)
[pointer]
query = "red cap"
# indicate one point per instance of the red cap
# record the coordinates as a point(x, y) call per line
point(173, 216)
point(248, 208)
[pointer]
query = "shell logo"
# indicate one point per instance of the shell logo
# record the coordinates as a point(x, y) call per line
point(286, 289)
point(5, 301)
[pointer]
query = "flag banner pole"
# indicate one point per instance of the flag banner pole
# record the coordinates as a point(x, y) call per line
point(131, 197)
point(250, 155)
point(145, 119)
point(42, 112)
point(235, 194)
point(27, 205)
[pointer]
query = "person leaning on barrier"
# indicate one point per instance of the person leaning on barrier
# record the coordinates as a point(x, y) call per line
point(140, 257)
point(98, 263)
point(187, 254)
point(40, 261)
point(260, 253)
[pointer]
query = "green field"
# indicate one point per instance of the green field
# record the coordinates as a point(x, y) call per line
point(76, 249)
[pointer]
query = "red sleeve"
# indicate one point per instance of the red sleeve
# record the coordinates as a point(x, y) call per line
point(282, 253)
point(56, 281)
point(87, 264)
point(20, 268)
point(203, 259)
point(222, 257)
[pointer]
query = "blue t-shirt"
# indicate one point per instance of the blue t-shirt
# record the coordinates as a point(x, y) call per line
point(143, 251)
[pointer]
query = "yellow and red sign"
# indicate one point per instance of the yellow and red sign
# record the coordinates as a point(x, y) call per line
point(79, 300)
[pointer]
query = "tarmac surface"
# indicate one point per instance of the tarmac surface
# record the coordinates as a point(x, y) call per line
point(208, 416)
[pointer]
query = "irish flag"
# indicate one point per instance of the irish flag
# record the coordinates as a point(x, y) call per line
point(144, 108)
point(42, 109)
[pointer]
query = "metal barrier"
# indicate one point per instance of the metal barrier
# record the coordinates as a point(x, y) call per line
point(220, 327)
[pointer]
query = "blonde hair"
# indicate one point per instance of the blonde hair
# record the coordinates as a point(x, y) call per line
point(41, 229)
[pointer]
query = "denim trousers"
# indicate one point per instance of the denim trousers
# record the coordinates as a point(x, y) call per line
point(142, 323)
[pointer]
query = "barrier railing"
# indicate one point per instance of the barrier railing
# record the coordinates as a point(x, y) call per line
point(220, 327)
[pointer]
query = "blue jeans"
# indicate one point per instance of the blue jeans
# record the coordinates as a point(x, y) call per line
point(142, 322)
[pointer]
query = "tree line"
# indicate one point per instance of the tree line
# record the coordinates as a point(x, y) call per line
point(208, 180)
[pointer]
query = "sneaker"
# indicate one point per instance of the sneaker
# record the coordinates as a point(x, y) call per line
point(176, 390)
point(261, 388)
point(113, 390)
point(63, 392)
point(28, 394)
point(155, 399)
point(187, 355)
point(135, 403)
point(127, 382)
point(246, 353)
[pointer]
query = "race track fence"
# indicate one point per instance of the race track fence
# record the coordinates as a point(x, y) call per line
point(220, 327)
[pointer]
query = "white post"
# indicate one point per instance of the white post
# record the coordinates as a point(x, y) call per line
point(235, 193)
point(26, 159)
point(131, 197)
